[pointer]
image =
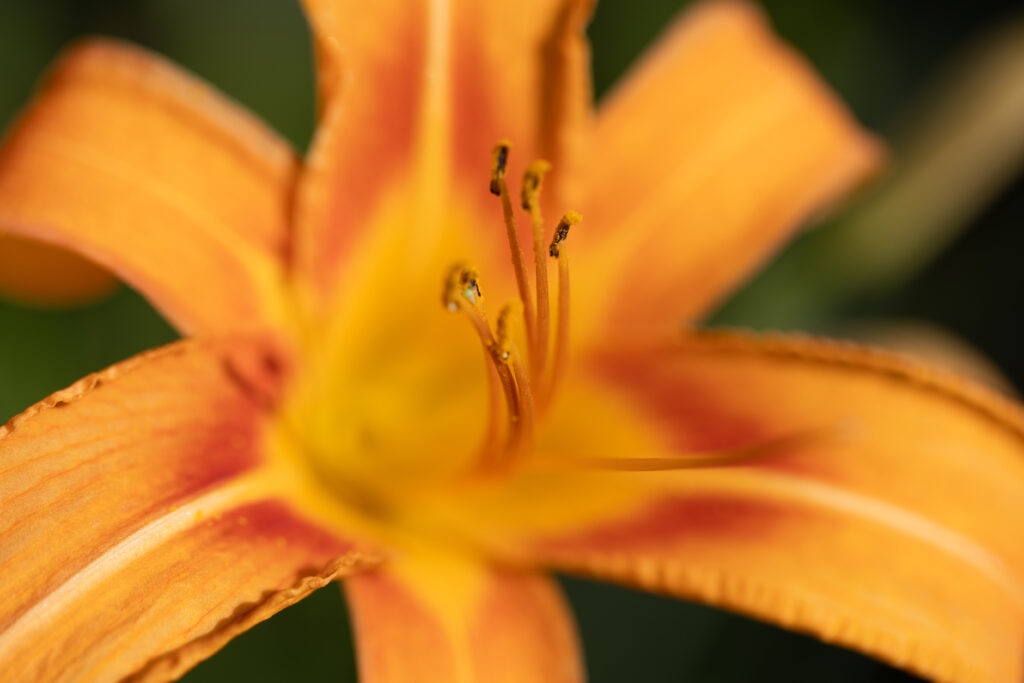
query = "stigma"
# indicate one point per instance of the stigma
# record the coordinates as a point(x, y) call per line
point(522, 382)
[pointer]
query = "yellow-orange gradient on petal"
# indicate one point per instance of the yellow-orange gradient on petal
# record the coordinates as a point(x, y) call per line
point(704, 160)
point(150, 173)
point(141, 529)
point(413, 96)
point(451, 620)
point(876, 510)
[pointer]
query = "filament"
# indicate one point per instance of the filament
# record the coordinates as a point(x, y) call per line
point(558, 251)
point(532, 181)
point(499, 187)
point(525, 382)
point(462, 294)
point(522, 430)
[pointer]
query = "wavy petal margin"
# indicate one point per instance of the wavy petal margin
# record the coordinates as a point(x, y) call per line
point(456, 621)
point(141, 525)
point(132, 163)
point(706, 158)
point(876, 507)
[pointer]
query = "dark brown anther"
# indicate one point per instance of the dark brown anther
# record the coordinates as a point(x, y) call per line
point(562, 232)
point(499, 165)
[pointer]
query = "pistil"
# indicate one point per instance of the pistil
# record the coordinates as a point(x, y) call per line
point(699, 460)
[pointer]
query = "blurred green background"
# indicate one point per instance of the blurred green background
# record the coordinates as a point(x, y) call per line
point(957, 269)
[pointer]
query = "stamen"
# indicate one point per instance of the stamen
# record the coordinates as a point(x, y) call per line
point(507, 352)
point(523, 430)
point(557, 250)
point(500, 188)
point(462, 281)
point(499, 165)
point(509, 372)
point(532, 181)
point(530, 198)
point(504, 343)
point(491, 445)
point(570, 219)
point(462, 293)
point(698, 460)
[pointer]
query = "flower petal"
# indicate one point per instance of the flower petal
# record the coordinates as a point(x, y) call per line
point(707, 157)
point(437, 623)
point(41, 274)
point(876, 510)
point(136, 165)
point(412, 98)
point(142, 523)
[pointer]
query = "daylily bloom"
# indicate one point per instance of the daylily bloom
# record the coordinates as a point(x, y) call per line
point(328, 418)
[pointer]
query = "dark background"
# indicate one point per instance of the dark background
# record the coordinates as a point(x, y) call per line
point(878, 55)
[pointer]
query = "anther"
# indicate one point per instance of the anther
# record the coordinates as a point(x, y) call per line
point(570, 219)
point(462, 281)
point(499, 165)
point(462, 294)
point(532, 180)
point(503, 336)
point(470, 289)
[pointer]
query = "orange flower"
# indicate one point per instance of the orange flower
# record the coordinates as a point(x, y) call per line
point(328, 418)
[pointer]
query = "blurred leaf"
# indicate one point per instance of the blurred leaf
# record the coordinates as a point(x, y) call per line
point(962, 145)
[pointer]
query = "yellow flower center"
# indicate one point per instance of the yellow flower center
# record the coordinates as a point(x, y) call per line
point(394, 430)
point(392, 403)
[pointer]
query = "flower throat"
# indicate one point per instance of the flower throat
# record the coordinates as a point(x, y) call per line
point(521, 386)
